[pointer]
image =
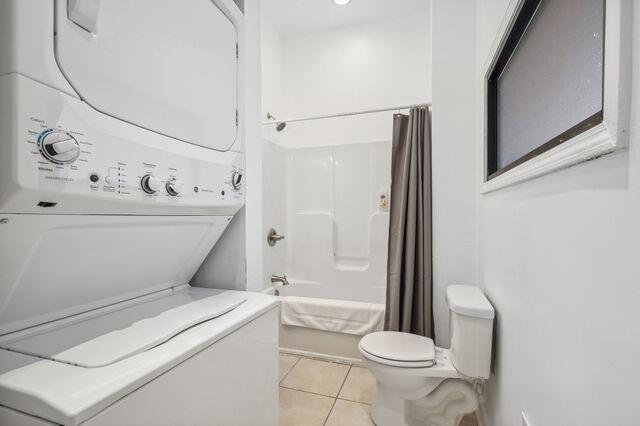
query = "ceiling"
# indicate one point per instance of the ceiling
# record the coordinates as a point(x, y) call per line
point(291, 17)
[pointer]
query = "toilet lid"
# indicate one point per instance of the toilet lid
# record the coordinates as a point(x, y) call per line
point(399, 347)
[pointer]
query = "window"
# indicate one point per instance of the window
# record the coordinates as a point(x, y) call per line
point(545, 84)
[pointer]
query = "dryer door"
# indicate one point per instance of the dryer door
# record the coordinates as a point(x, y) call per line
point(168, 66)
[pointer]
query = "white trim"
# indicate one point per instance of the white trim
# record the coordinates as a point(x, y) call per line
point(332, 358)
point(611, 134)
point(593, 143)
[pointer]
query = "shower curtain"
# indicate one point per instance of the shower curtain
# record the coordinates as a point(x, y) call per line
point(409, 266)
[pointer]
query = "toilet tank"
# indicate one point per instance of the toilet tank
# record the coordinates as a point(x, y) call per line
point(471, 330)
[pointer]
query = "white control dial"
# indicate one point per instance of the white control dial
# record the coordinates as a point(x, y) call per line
point(58, 146)
point(174, 186)
point(236, 180)
point(150, 184)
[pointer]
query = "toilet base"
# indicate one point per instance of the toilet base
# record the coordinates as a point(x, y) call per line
point(388, 409)
point(444, 406)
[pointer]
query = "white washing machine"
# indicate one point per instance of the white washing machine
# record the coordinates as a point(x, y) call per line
point(121, 164)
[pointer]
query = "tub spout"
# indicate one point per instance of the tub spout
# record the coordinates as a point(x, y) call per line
point(279, 279)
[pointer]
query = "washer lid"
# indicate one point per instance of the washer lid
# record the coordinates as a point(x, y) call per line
point(65, 394)
point(165, 65)
point(115, 335)
point(396, 346)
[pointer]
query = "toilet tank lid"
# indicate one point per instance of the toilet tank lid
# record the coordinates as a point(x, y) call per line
point(469, 301)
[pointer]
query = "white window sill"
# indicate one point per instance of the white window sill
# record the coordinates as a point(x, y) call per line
point(593, 143)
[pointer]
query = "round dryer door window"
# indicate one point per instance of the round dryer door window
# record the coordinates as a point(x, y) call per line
point(165, 65)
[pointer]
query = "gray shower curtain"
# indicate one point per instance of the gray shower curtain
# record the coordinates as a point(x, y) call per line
point(409, 267)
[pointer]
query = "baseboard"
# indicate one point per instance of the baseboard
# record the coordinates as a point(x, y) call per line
point(332, 358)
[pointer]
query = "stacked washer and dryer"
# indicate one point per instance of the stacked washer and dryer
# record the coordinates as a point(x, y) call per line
point(121, 164)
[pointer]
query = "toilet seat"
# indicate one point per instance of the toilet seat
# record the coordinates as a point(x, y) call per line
point(398, 349)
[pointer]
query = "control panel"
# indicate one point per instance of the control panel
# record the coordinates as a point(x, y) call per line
point(69, 162)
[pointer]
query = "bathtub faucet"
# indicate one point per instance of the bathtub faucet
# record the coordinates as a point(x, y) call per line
point(280, 279)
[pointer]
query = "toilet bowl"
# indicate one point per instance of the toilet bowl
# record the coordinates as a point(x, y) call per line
point(419, 383)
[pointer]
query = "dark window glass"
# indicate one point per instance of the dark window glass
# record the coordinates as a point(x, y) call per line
point(547, 84)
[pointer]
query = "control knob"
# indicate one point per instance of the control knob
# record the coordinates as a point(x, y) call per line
point(236, 180)
point(58, 146)
point(174, 187)
point(150, 184)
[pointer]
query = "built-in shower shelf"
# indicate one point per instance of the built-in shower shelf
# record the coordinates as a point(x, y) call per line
point(351, 263)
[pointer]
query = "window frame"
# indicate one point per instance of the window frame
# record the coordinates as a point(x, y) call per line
point(600, 134)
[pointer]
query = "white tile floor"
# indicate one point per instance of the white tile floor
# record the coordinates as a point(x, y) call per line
point(317, 392)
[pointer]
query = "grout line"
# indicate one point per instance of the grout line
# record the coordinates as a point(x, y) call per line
point(312, 393)
point(339, 390)
point(344, 380)
point(357, 402)
point(289, 370)
point(326, 419)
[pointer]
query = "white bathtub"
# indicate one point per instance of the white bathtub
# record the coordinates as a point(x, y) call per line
point(322, 343)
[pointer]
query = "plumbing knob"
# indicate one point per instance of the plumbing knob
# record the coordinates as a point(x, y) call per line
point(273, 237)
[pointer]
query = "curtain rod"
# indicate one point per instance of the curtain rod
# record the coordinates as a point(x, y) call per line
point(346, 114)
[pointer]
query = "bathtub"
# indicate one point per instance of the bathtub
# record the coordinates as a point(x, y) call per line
point(320, 343)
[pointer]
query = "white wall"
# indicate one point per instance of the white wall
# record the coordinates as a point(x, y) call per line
point(358, 67)
point(253, 116)
point(273, 71)
point(453, 152)
point(558, 259)
point(380, 63)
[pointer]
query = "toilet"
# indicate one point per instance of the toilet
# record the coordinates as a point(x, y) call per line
point(418, 383)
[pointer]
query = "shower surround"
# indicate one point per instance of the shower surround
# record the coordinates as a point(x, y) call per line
point(331, 203)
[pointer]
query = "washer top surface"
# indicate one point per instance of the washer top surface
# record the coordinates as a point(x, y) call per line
point(108, 337)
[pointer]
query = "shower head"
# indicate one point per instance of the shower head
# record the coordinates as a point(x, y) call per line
point(279, 125)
